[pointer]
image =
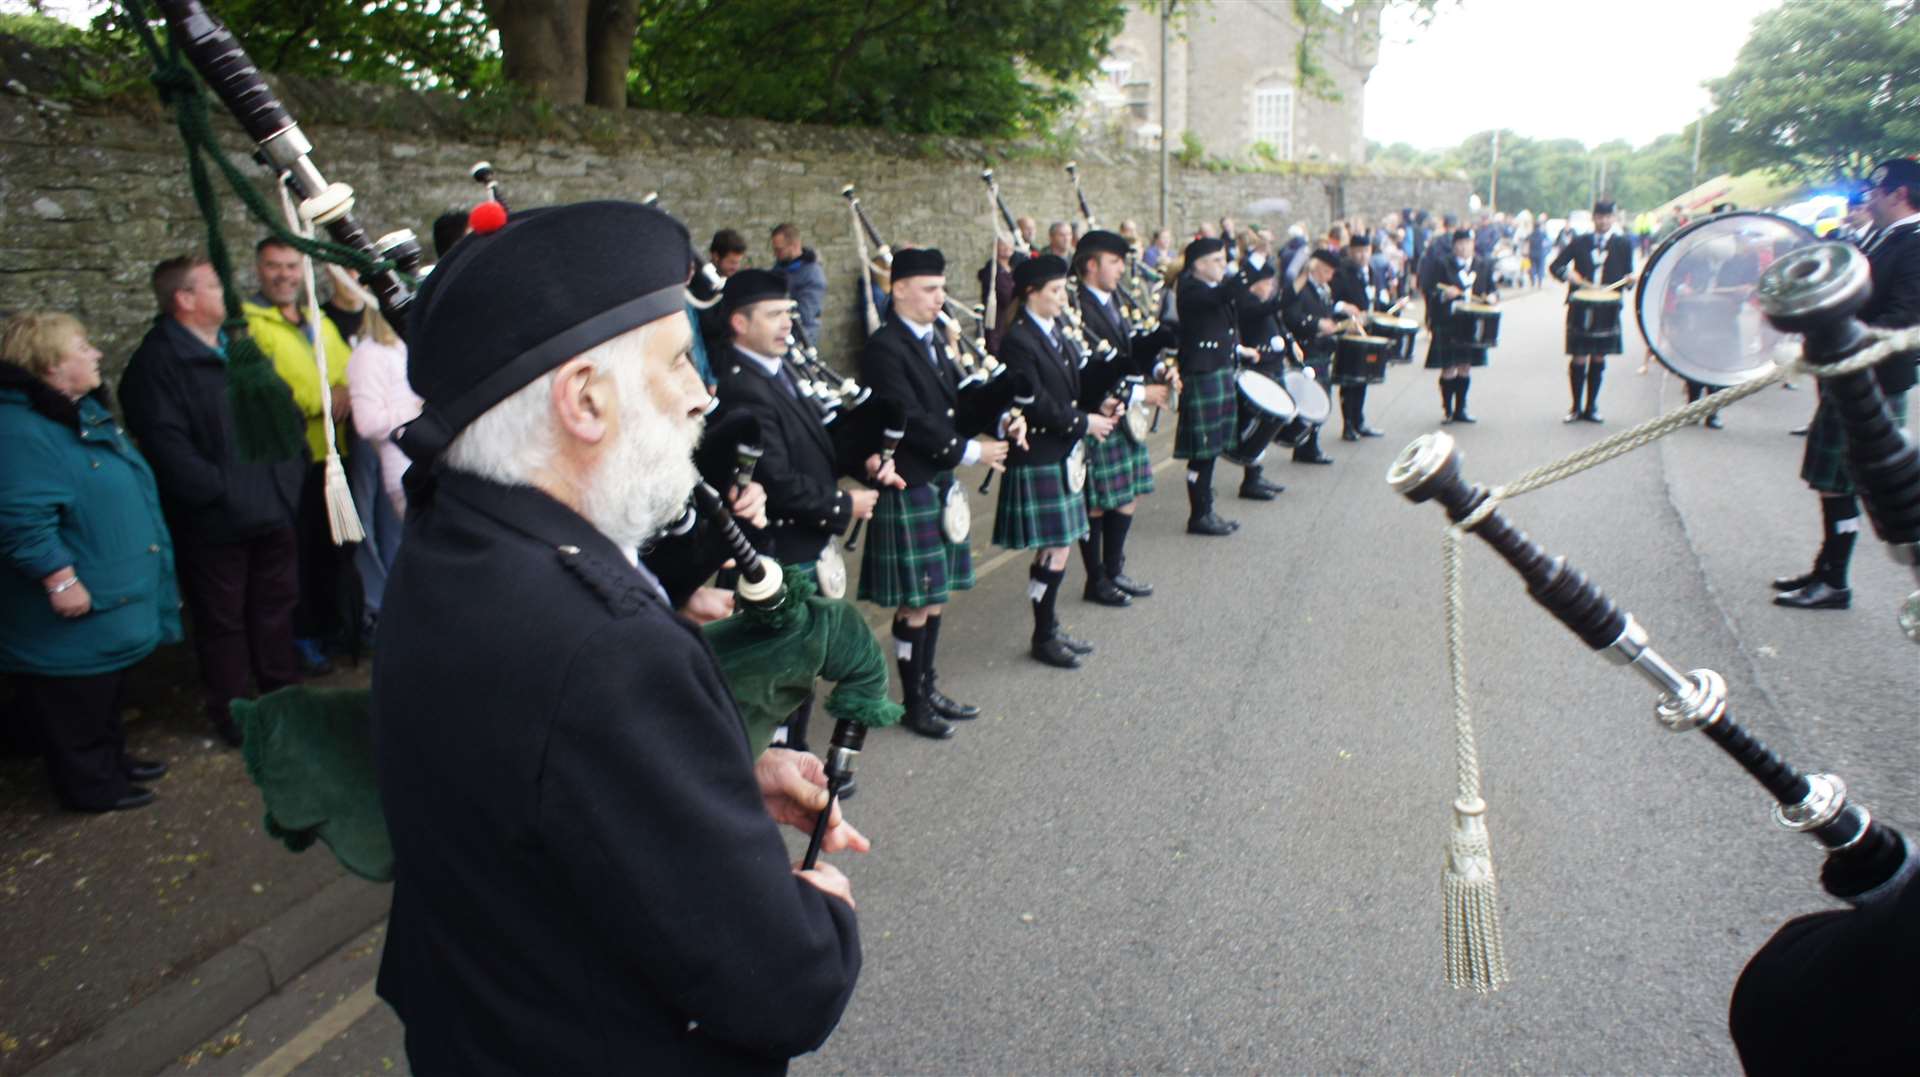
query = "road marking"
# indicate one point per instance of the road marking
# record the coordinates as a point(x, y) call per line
point(311, 1039)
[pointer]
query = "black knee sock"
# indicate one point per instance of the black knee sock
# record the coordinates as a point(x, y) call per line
point(1446, 396)
point(1596, 371)
point(1577, 380)
point(1116, 524)
point(1090, 554)
point(1694, 390)
point(1199, 487)
point(930, 644)
point(1841, 517)
point(1043, 590)
point(1460, 385)
point(1359, 394)
point(796, 726)
point(908, 644)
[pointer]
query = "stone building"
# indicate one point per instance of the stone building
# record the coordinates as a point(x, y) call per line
point(1234, 79)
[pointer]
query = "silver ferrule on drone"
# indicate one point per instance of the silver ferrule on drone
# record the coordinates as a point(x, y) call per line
point(1687, 700)
point(840, 758)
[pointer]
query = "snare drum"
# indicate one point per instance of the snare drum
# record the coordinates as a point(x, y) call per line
point(1403, 332)
point(1265, 409)
point(1594, 312)
point(1359, 360)
point(1476, 325)
point(1311, 406)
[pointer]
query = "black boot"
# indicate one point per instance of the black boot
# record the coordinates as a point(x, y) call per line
point(1349, 415)
point(1043, 589)
point(1308, 451)
point(1255, 488)
point(1577, 381)
point(908, 640)
point(1460, 386)
point(1596, 372)
point(1117, 524)
point(1446, 400)
point(1201, 519)
point(951, 709)
point(1099, 588)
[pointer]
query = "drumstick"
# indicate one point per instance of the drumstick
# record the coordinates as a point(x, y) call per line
point(1622, 282)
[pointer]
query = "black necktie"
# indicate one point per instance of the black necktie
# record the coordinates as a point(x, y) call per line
point(785, 378)
point(933, 354)
point(1059, 341)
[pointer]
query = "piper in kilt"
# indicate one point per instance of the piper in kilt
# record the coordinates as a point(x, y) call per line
point(1118, 468)
point(911, 563)
point(1209, 348)
point(1597, 259)
point(1042, 506)
point(1893, 252)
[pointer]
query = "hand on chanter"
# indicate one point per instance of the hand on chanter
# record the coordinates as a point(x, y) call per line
point(750, 504)
point(793, 785)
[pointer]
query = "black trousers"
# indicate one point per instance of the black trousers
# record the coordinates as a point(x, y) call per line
point(241, 596)
point(324, 569)
point(77, 720)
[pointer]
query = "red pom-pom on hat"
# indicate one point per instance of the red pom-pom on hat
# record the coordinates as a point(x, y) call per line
point(488, 216)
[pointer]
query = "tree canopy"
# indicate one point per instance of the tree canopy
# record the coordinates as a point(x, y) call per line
point(1557, 175)
point(1822, 88)
point(949, 67)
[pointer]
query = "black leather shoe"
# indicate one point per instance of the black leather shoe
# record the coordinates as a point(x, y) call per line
point(136, 797)
point(1800, 431)
point(1256, 491)
point(1106, 594)
point(1056, 653)
point(1349, 434)
point(950, 708)
point(1132, 586)
point(1274, 488)
point(926, 723)
point(1816, 596)
point(1573, 416)
point(1316, 458)
point(1077, 646)
point(1461, 416)
point(1794, 583)
point(1592, 415)
point(1369, 432)
point(144, 770)
point(1447, 419)
point(1714, 423)
point(1210, 524)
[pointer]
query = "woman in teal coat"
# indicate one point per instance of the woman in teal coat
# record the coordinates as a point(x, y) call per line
point(88, 587)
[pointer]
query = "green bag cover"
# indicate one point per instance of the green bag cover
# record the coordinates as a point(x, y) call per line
point(310, 750)
point(772, 658)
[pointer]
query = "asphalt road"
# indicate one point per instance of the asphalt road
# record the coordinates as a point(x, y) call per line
point(1217, 847)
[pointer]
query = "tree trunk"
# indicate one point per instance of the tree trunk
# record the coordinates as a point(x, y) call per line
point(543, 46)
point(609, 49)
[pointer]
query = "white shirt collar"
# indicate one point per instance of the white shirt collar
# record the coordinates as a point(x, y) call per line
point(1045, 324)
point(1105, 298)
point(918, 330)
point(767, 363)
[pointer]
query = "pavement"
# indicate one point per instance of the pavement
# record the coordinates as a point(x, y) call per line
point(1217, 846)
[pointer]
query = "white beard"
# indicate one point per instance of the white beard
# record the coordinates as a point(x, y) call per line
point(642, 486)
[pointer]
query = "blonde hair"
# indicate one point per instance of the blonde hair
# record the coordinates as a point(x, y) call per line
point(36, 340)
point(376, 326)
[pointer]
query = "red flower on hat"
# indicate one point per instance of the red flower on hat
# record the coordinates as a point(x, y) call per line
point(488, 216)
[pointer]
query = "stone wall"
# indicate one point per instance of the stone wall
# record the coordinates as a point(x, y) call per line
point(90, 199)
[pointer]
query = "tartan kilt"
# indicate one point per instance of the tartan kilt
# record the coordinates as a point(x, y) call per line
point(1824, 464)
point(1443, 353)
point(1118, 471)
point(1612, 343)
point(1037, 509)
point(1209, 407)
point(908, 560)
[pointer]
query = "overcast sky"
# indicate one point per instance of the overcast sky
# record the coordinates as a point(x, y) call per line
point(1582, 69)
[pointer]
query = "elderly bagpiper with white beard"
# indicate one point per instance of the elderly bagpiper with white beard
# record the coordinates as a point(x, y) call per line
point(588, 874)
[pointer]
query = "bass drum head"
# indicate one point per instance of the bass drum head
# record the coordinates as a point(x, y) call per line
point(1309, 396)
point(1265, 394)
point(1695, 300)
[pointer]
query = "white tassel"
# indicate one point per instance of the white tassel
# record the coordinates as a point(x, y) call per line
point(343, 519)
point(1476, 953)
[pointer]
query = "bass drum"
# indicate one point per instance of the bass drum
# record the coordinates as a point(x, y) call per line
point(1265, 410)
point(1696, 303)
point(1311, 406)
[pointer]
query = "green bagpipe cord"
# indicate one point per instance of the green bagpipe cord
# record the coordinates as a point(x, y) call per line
point(772, 658)
point(310, 750)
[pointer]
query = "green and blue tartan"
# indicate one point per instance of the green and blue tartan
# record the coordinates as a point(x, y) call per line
point(1824, 464)
point(1038, 509)
point(908, 560)
point(1209, 408)
point(1443, 353)
point(1118, 471)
